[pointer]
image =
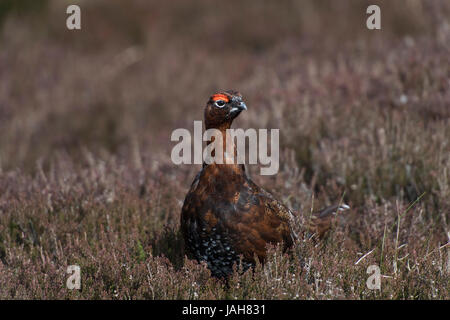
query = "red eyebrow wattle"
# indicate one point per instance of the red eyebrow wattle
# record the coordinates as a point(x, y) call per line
point(220, 96)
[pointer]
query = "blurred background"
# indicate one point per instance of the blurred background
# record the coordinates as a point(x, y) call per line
point(138, 69)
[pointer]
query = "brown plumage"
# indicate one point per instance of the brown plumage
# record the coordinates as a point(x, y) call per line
point(225, 214)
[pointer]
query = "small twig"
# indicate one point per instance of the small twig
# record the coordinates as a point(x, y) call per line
point(359, 260)
point(410, 206)
point(382, 244)
point(441, 247)
point(399, 216)
point(396, 243)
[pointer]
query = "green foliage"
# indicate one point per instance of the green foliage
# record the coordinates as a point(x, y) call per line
point(20, 7)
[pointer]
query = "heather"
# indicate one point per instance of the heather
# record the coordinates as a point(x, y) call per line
point(86, 117)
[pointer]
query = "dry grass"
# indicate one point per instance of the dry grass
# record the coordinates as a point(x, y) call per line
point(85, 123)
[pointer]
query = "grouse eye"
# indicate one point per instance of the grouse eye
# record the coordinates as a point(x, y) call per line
point(219, 103)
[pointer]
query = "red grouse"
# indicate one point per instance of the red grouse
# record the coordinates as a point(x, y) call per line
point(225, 214)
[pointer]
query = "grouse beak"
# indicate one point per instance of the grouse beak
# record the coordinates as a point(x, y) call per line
point(238, 107)
point(242, 106)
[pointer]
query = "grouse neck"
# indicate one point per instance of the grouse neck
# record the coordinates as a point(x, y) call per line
point(228, 147)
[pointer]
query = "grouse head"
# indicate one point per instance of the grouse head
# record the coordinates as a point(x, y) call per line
point(222, 108)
